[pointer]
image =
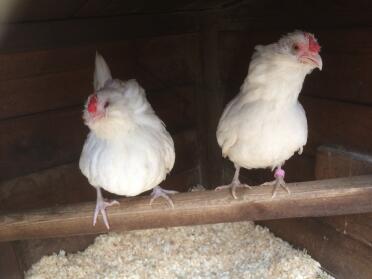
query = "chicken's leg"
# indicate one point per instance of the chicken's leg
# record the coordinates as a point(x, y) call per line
point(279, 181)
point(101, 207)
point(160, 192)
point(235, 183)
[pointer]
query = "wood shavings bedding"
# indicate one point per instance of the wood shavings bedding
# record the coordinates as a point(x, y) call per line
point(231, 250)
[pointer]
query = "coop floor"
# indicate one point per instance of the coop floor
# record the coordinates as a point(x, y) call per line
point(232, 250)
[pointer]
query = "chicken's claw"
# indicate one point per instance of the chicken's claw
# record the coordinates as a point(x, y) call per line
point(233, 186)
point(160, 192)
point(278, 181)
point(101, 206)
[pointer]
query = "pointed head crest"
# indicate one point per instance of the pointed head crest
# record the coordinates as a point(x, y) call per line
point(102, 72)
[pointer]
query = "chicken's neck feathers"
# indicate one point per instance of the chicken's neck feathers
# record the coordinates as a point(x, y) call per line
point(271, 77)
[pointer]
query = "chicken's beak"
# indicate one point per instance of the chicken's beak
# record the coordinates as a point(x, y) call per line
point(313, 59)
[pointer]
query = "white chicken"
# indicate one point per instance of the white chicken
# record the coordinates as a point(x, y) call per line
point(264, 125)
point(128, 150)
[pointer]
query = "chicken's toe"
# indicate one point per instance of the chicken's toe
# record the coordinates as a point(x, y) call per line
point(160, 192)
point(234, 185)
point(101, 206)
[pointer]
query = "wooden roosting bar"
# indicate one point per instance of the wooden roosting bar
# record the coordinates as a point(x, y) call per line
point(314, 198)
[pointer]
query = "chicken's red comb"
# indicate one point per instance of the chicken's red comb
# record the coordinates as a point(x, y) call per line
point(92, 104)
point(313, 44)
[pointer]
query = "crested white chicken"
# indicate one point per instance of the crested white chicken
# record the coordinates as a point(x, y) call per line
point(128, 150)
point(264, 125)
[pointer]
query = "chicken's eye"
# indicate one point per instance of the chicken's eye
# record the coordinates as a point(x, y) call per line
point(295, 47)
point(106, 104)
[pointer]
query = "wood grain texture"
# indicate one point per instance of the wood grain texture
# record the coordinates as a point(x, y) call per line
point(24, 10)
point(9, 266)
point(151, 53)
point(271, 14)
point(56, 186)
point(115, 7)
point(314, 198)
point(355, 226)
point(210, 103)
point(339, 123)
point(38, 81)
point(167, 61)
point(74, 32)
point(335, 162)
point(48, 92)
point(42, 10)
point(40, 141)
point(238, 13)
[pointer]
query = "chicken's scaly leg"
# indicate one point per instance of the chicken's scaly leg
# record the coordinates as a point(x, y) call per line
point(235, 183)
point(279, 181)
point(160, 192)
point(101, 207)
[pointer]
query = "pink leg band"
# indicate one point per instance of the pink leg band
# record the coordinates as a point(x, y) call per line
point(279, 172)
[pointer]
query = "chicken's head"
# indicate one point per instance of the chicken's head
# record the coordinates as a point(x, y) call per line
point(109, 110)
point(96, 107)
point(303, 47)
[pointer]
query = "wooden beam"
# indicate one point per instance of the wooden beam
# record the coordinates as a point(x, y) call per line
point(314, 198)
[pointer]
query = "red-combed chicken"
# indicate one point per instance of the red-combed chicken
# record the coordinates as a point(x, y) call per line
point(128, 150)
point(264, 125)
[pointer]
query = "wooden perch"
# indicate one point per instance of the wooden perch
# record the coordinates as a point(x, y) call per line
point(313, 198)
